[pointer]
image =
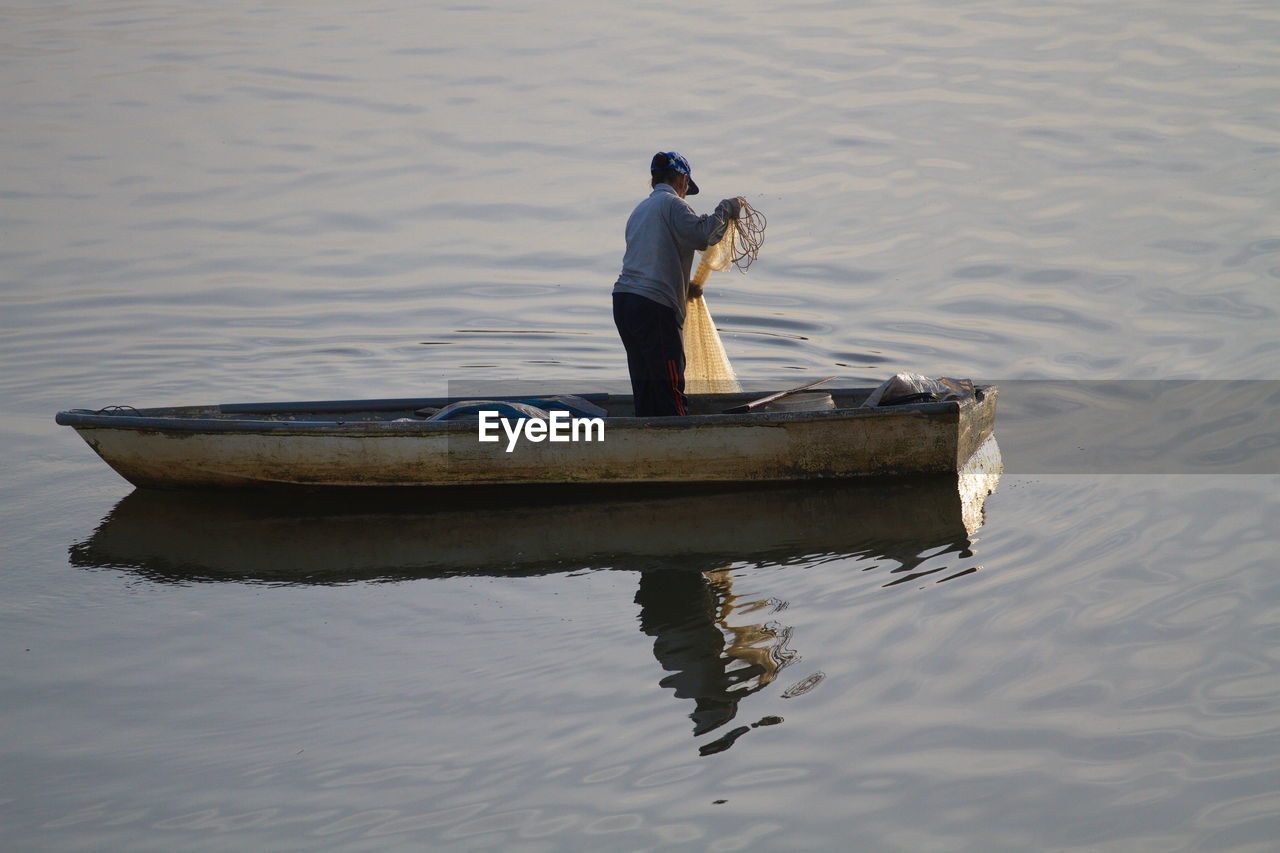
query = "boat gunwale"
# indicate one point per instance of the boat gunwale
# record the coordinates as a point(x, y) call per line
point(91, 419)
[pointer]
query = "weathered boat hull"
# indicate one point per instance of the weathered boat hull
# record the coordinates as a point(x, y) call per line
point(355, 444)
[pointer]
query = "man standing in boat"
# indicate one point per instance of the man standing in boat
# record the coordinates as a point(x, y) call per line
point(652, 292)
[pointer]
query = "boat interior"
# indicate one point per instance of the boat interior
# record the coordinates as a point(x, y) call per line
point(399, 409)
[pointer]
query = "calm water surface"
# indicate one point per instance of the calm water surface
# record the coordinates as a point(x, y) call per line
point(237, 201)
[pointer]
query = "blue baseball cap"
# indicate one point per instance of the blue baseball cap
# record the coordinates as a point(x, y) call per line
point(674, 161)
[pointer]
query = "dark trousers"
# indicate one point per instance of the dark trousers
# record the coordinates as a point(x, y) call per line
point(655, 354)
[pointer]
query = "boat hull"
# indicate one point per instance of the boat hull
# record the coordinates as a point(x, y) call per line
point(231, 447)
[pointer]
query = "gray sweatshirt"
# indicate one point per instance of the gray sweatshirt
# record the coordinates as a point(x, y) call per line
point(662, 234)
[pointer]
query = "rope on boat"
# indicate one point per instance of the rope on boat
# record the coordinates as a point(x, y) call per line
point(748, 235)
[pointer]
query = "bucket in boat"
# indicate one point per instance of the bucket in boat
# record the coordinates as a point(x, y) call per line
point(813, 401)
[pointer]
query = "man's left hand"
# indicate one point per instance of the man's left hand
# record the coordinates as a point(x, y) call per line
point(732, 207)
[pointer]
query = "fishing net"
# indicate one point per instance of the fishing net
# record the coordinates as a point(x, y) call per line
point(706, 365)
point(707, 368)
point(739, 246)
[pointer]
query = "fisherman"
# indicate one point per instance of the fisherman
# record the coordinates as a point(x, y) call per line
point(653, 290)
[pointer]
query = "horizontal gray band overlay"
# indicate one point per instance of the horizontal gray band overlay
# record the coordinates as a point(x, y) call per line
point(1057, 426)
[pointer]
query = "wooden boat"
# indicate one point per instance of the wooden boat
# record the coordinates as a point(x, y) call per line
point(361, 443)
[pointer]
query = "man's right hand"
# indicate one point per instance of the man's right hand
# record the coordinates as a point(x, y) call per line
point(732, 207)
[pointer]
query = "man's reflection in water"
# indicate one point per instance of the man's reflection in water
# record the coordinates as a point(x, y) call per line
point(711, 661)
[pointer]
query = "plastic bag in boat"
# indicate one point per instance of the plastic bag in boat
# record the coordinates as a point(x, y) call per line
point(470, 410)
point(570, 403)
point(906, 388)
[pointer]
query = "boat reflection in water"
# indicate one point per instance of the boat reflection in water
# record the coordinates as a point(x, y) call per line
point(717, 647)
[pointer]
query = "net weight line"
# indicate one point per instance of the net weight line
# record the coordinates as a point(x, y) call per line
point(739, 246)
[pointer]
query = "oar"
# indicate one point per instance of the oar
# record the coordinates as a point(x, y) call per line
point(746, 407)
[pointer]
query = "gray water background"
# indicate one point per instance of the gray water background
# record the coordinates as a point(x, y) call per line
point(236, 201)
